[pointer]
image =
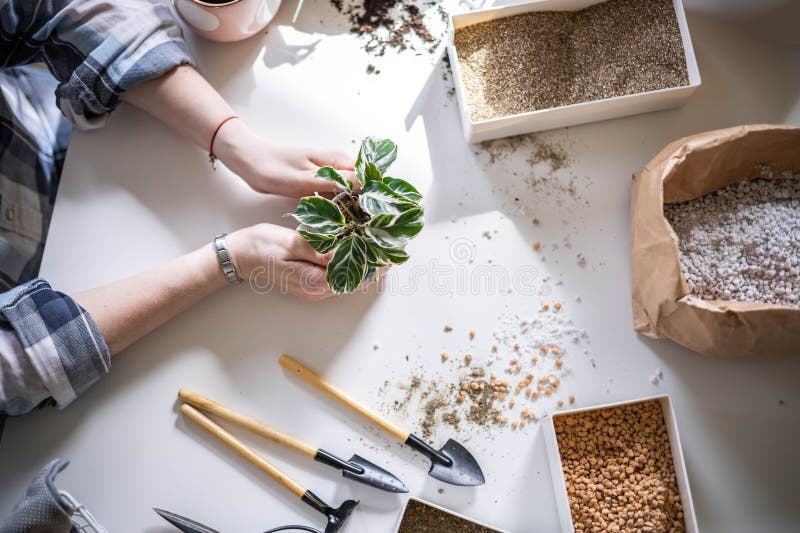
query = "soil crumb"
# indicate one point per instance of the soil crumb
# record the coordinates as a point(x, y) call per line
point(538, 148)
point(393, 24)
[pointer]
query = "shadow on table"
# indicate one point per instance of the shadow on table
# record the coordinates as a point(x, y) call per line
point(758, 453)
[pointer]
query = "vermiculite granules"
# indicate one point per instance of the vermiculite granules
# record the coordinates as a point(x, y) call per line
point(742, 242)
point(618, 469)
point(548, 59)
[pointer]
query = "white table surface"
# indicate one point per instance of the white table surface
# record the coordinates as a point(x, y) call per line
point(133, 195)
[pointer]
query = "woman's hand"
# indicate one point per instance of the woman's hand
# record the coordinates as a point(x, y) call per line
point(275, 169)
point(274, 258)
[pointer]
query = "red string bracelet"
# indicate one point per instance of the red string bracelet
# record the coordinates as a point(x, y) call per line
point(211, 157)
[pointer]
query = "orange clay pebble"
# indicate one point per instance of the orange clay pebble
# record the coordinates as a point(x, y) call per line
point(560, 403)
point(471, 334)
point(460, 399)
point(571, 399)
point(548, 391)
point(511, 403)
point(494, 348)
point(534, 360)
point(546, 307)
point(537, 245)
point(445, 356)
point(496, 394)
point(557, 305)
point(514, 425)
point(513, 362)
point(528, 392)
point(556, 382)
point(555, 350)
point(522, 424)
point(475, 385)
point(468, 358)
point(535, 395)
point(544, 348)
point(483, 386)
point(475, 405)
point(559, 362)
point(516, 347)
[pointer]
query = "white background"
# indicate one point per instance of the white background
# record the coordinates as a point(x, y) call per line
point(133, 195)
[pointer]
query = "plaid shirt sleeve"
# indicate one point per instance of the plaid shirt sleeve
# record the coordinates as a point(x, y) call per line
point(51, 350)
point(97, 49)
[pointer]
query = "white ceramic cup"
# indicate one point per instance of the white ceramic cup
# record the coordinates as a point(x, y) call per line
point(233, 20)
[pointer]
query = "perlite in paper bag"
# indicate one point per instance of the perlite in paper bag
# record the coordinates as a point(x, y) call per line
point(662, 304)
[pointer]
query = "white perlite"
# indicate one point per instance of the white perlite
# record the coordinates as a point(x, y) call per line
point(742, 242)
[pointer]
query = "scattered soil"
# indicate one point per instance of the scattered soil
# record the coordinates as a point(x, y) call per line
point(431, 419)
point(548, 59)
point(539, 149)
point(421, 518)
point(518, 380)
point(618, 469)
point(391, 24)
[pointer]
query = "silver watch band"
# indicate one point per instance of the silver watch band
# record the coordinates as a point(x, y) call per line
point(224, 259)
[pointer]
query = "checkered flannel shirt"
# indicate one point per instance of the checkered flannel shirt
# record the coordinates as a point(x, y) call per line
point(94, 50)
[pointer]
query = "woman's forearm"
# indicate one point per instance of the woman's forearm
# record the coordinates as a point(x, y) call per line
point(188, 104)
point(127, 310)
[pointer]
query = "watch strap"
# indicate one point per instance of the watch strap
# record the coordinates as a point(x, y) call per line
point(224, 259)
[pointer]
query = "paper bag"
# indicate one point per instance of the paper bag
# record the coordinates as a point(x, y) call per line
point(662, 306)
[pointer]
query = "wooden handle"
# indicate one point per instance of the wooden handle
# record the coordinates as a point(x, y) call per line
point(326, 386)
point(207, 424)
point(259, 428)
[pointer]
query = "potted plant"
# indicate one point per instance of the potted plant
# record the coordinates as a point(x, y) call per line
point(366, 228)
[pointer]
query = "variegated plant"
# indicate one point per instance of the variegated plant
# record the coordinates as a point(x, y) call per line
point(366, 229)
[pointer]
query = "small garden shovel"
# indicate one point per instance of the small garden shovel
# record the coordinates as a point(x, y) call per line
point(357, 468)
point(451, 464)
point(336, 516)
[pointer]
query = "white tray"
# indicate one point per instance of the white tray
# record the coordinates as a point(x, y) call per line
point(569, 115)
point(557, 473)
point(400, 520)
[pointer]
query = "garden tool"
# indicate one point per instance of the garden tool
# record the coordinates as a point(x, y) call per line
point(357, 468)
point(187, 525)
point(336, 516)
point(451, 464)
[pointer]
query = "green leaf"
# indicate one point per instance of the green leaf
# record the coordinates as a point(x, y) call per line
point(321, 242)
point(329, 174)
point(390, 231)
point(371, 275)
point(319, 213)
point(378, 256)
point(348, 266)
point(377, 198)
point(403, 188)
point(371, 173)
point(380, 152)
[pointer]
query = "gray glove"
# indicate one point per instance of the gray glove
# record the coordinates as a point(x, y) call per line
point(42, 509)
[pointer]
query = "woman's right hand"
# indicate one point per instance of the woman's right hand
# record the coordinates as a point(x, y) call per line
point(274, 258)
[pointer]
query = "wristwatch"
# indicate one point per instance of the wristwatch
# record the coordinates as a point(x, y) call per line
point(224, 259)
